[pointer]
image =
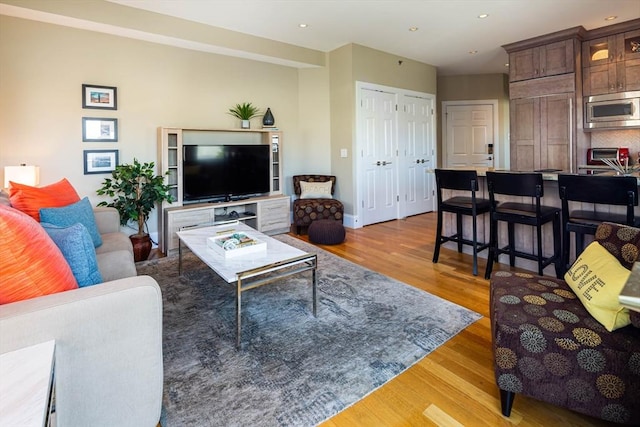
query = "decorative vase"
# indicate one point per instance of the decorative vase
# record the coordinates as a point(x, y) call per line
point(246, 124)
point(141, 246)
point(268, 119)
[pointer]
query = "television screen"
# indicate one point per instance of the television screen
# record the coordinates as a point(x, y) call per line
point(223, 172)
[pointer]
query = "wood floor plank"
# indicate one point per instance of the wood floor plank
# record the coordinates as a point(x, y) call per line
point(455, 383)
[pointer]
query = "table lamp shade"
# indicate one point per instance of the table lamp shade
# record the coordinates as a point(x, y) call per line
point(28, 175)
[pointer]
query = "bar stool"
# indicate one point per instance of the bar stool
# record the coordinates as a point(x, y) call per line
point(461, 180)
point(599, 190)
point(533, 214)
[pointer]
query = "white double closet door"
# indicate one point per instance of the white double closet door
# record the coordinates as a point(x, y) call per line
point(395, 153)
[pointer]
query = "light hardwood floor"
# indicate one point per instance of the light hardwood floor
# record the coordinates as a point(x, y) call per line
point(454, 385)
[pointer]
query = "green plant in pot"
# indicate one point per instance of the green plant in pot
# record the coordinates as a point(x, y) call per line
point(137, 190)
point(245, 112)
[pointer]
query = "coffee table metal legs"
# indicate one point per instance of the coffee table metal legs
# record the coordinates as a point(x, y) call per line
point(279, 270)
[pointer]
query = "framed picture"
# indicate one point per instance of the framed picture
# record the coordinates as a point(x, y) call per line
point(99, 129)
point(102, 97)
point(100, 161)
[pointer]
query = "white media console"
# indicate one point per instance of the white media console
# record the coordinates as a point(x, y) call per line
point(269, 214)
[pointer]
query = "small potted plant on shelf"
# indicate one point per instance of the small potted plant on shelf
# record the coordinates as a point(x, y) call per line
point(245, 112)
point(136, 189)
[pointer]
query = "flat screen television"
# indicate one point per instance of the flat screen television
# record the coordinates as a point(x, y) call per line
point(214, 173)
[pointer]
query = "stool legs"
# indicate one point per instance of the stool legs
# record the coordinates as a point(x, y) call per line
point(493, 244)
point(459, 231)
point(566, 247)
point(458, 238)
point(495, 251)
point(512, 244)
point(475, 244)
point(436, 250)
point(557, 245)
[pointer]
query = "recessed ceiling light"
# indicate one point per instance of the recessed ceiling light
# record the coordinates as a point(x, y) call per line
point(413, 29)
point(610, 18)
point(482, 16)
point(473, 52)
point(302, 25)
point(506, 65)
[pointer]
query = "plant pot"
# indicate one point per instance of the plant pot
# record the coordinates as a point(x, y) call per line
point(141, 246)
point(246, 124)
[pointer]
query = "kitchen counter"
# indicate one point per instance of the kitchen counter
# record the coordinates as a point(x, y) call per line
point(552, 174)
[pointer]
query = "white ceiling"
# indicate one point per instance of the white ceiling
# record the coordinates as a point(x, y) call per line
point(447, 29)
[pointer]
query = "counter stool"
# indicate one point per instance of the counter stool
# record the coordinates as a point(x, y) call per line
point(599, 190)
point(461, 180)
point(533, 214)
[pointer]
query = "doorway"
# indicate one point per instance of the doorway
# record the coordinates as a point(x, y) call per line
point(470, 134)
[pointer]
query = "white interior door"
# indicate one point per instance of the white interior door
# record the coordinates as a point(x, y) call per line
point(378, 156)
point(469, 135)
point(417, 154)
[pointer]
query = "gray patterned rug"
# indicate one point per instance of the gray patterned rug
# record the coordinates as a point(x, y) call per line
point(294, 369)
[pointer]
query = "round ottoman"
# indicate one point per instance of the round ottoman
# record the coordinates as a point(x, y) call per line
point(326, 232)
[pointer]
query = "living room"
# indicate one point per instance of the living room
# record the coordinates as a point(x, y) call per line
point(46, 55)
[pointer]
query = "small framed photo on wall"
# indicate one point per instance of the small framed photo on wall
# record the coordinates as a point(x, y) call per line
point(99, 129)
point(100, 161)
point(102, 97)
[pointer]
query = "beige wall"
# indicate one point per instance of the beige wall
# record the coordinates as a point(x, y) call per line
point(43, 65)
point(42, 68)
point(477, 87)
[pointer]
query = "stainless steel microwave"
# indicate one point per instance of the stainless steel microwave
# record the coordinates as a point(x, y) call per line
point(613, 111)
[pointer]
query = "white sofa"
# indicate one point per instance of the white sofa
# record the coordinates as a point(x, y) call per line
point(108, 339)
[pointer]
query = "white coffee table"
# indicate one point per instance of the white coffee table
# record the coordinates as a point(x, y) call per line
point(248, 271)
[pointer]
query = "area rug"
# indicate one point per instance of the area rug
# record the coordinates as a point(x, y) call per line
point(294, 369)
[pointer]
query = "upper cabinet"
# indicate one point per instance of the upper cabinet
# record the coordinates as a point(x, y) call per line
point(611, 59)
point(542, 61)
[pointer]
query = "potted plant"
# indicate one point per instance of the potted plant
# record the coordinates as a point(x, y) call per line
point(245, 112)
point(136, 189)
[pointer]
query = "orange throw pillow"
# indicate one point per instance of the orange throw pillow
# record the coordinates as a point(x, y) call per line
point(30, 199)
point(31, 265)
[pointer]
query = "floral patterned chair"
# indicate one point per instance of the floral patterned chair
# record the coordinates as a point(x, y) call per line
point(547, 346)
point(309, 208)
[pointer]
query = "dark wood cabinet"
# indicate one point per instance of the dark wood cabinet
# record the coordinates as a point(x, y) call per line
point(612, 63)
point(542, 93)
point(542, 61)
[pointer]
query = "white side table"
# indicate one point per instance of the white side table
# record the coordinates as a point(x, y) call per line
point(26, 385)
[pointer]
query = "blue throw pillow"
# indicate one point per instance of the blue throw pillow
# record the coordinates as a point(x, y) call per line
point(81, 212)
point(77, 248)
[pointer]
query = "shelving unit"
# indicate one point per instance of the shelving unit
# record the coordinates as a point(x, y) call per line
point(268, 214)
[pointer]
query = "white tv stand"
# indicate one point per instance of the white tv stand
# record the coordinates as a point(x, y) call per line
point(269, 214)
